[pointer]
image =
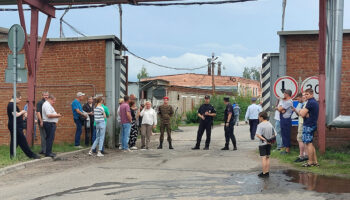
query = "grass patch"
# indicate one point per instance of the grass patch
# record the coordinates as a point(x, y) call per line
point(21, 157)
point(333, 162)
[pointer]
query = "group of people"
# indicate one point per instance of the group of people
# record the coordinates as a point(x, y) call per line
point(47, 121)
point(144, 119)
point(307, 110)
point(206, 114)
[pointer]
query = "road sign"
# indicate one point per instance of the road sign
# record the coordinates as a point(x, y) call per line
point(18, 32)
point(20, 61)
point(313, 83)
point(285, 83)
point(295, 117)
point(22, 75)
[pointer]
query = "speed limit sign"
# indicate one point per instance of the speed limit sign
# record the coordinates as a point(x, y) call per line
point(311, 82)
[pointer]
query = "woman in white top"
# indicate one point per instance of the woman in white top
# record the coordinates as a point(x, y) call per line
point(149, 121)
point(99, 117)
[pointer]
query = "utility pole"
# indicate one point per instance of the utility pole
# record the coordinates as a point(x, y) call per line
point(213, 58)
point(121, 27)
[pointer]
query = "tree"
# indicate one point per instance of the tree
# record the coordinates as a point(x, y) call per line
point(246, 73)
point(143, 74)
point(252, 73)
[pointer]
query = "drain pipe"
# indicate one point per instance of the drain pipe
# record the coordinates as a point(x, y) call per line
point(335, 15)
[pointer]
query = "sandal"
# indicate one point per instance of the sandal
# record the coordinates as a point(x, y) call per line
point(307, 165)
point(315, 165)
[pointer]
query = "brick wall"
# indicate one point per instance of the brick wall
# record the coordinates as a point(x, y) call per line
point(65, 69)
point(302, 61)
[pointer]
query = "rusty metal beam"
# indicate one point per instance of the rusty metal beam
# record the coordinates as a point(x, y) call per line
point(43, 40)
point(43, 6)
point(322, 76)
point(80, 2)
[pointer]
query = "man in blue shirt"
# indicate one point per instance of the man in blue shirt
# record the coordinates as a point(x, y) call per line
point(78, 117)
point(310, 115)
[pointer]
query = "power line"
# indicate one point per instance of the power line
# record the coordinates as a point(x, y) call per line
point(192, 3)
point(143, 4)
point(163, 66)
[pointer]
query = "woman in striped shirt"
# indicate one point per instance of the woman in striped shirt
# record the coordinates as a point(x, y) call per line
point(99, 116)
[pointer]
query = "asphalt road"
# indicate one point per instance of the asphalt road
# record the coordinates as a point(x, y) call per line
point(160, 174)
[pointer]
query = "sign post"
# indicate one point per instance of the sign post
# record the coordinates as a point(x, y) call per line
point(313, 83)
point(15, 43)
point(285, 83)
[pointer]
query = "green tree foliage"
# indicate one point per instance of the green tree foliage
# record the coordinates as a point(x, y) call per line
point(252, 73)
point(142, 74)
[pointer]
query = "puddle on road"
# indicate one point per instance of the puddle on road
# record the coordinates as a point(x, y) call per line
point(319, 183)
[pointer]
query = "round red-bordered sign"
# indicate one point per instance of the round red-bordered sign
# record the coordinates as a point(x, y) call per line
point(313, 83)
point(285, 82)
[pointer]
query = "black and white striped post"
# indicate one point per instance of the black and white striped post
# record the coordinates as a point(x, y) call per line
point(266, 81)
point(124, 77)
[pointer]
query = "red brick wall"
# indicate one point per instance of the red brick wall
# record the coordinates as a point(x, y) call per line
point(65, 69)
point(302, 61)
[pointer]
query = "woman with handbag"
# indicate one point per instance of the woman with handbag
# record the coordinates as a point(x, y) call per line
point(99, 115)
point(89, 124)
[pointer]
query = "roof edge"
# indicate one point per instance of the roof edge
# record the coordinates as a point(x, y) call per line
point(305, 32)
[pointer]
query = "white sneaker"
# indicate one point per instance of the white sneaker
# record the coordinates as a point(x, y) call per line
point(127, 150)
point(99, 154)
point(133, 148)
point(90, 153)
point(78, 147)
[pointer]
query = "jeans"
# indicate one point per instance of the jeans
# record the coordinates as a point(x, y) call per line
point(286, 125)
point(50, 129)
point(79, 126)
point(126, 135)
point(278, 136)
point(100, 135)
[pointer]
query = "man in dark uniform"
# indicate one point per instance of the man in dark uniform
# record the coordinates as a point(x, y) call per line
point(229, 123)
point(206, 113)
point(20, 138)
point(165, 113)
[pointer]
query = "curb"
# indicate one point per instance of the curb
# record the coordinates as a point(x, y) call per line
point(23, 165)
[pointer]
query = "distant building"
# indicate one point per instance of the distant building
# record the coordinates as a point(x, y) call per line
point(187, 90)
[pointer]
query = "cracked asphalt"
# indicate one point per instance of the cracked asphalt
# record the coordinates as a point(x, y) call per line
point(161, 174)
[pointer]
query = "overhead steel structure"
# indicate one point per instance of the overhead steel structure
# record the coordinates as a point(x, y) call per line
point(33, 51)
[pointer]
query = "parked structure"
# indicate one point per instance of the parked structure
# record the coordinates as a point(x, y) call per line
point(185, 91)
point(89, 64)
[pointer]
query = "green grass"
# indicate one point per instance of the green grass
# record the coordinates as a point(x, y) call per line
point(21, 157)
point(333, 162)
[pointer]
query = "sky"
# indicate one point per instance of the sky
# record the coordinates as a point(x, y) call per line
point(185, 36)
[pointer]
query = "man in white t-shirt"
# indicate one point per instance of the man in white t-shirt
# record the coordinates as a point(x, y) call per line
point(50, 119)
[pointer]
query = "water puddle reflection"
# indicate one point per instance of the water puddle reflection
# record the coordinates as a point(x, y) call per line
point(319, 183)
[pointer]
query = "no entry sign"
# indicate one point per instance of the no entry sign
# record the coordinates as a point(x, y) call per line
point(311, 82)
point(285, 83)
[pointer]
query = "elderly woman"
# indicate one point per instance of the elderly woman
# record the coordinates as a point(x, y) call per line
point(149, 121)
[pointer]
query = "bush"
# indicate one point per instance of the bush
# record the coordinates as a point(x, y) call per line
point(192, 117)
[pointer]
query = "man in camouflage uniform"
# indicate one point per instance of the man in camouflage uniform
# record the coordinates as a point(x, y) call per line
point(165, 113)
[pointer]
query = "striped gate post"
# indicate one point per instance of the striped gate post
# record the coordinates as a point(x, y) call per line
point(124, 77)
point(266, 81)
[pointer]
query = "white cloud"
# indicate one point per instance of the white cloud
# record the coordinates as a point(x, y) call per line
point(233, 64)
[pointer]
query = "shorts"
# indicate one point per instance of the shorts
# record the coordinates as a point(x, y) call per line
point(308, 134)
point(300, 133)
point(265, 150)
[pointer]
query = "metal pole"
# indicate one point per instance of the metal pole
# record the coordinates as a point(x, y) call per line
point(322, 76)
point(14, 93)
point(212, 74)
point(121, 27)
point(283, 12)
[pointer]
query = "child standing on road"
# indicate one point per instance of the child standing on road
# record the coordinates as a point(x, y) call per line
point(265, 132)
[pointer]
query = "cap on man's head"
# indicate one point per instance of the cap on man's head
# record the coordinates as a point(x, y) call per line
point(79, 94)
point(206, 97)
point(167, 98)
point(121, 100)
point(253, 99)
point(226, 99)
point(289, 92)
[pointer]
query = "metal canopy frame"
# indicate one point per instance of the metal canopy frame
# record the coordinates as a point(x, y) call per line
point(80, 2)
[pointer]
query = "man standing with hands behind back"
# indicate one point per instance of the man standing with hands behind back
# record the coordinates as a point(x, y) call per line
point(229, 123)
point(206, 113)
